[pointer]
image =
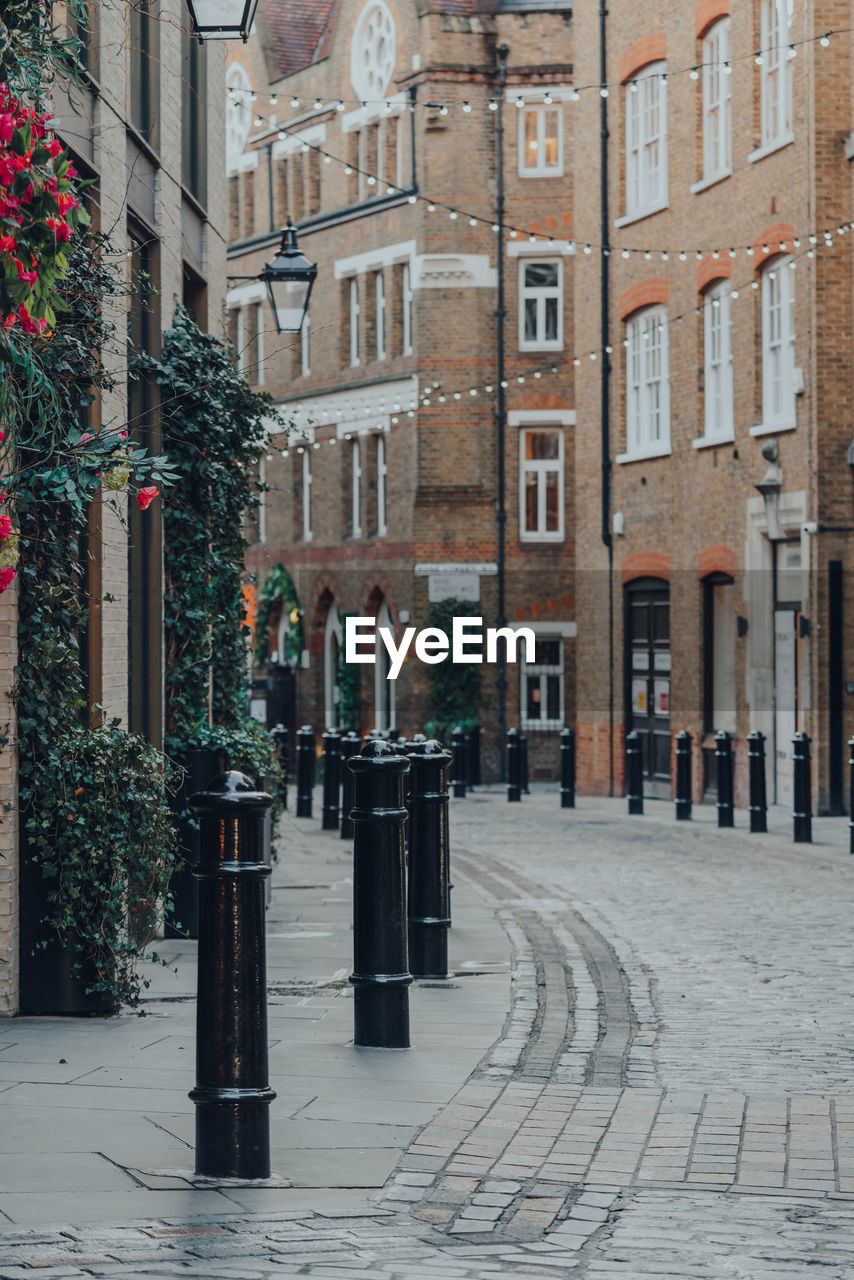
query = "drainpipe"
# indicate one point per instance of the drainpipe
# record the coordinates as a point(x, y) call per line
point(500, 413)
point(604, 288)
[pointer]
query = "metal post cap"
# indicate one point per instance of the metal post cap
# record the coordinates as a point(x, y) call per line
point(378, 753)
point(431, 750)
point(230, 792)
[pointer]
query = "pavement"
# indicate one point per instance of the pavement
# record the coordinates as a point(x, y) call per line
point(640, 1066)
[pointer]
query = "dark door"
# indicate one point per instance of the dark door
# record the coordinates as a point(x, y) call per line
point(648, 673)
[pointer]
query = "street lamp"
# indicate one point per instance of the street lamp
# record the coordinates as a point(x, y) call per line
point(222, 19)
point(289, 278)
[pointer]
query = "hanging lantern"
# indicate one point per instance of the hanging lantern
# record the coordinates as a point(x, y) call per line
point(289, 278)
point(222, 19)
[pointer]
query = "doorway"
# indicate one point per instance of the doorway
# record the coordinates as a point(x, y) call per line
point(648, 666)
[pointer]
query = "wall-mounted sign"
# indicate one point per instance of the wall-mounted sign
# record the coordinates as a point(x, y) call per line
point(453, 585)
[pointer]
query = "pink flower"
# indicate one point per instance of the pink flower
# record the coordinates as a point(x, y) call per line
point(5, 527)
point(145, 497)
point(6, 576)
point(54, 148)
point(86, 437)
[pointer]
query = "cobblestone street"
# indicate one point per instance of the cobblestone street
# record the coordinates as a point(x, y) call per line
point(663, 1088)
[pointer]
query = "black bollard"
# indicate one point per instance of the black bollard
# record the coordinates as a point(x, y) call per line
point(305, 770)
point(458, 768)
point(803, 789)
point(634, 772)
point(684, 744)
point(232, 1093)
point(331, 779)
point(474, 758)
point(567, 769)
point(281, 740)
point(523, 764)
point(514, 785)
point(351, 744)
point(429, 887)
point(851, 795)
point(723, 755)
point(380, 974)
point(756, 767)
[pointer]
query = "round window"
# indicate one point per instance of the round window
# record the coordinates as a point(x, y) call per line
point(373, 51)
point(238, 116)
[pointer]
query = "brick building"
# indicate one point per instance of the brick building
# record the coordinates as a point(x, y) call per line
point(713, 468)
point(148, 128)
point(374, 125)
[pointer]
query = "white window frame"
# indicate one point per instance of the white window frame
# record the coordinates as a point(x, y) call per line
point(305, 348)
point(646, 183)
point(379, 314)
point(306, 494)
point(529, 672)
point(541, 468)
point(779, 406)
point(382, 474)
point(717, 102)
point(355, 489)
point(717, 364)
point(541, 294)
point(542, 114)
point(406, 300)
point(398, 154)
point(643, 401)
point(355, 311)
point(775, 78)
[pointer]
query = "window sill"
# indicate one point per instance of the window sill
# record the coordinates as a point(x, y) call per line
point(640, 455)
point(774, 429)
point(541, 173)
point(711, 181)
point(629, 218)
point(709, 442)
point(545, 726)
point(540, 346)
point(528, 538)
point(769, 148)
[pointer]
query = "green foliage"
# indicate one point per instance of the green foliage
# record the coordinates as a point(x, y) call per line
point(349, 678)
point(98, 824)
point(278, 590)
point(454, 687)
point(214, 426)
point(93, 801)
point(34, 53)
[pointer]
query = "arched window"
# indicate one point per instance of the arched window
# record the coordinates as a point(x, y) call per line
point(238, 116)
point(647, 382)
point(384, 699)
point(332, 637)
point(646, 140)
point(778, 344)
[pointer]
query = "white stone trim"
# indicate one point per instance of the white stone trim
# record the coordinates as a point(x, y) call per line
point(566, 630)
point(454, 271)
point(373, 111)
point(549, 417)
point(488, 569)
point(533, 95)
point(354, 411)
point(527, 249)
point(785, 140)
point(293, 143)
point(244, 294)
point(375, 259)
point(246, 163)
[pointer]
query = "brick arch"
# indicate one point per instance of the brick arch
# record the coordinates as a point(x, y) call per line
point(710, 270)
point(645, 564)
point(718, 559)
point(378, 582)
point(707, 13)
point(650, 49)
point(325, 589)
point(775, 235)
point(538, 400)
point(646, 293)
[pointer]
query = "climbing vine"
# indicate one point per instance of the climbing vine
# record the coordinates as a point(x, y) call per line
point(278, 592)
point(454, 687)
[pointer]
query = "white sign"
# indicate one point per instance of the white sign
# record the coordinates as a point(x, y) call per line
point(453, 585)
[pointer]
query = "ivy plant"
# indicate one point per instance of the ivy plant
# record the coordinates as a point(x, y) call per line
point(454, 687)
point(278, 593)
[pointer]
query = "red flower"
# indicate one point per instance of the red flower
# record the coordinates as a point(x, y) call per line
point(145, 497)
point(6, 576)
point(86, 437)
point(5, 527)
point(54, 148)
point(7, 244)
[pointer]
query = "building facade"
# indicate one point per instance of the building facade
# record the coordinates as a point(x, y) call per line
point(713, 466)
point(147, 128)
point(376, 127)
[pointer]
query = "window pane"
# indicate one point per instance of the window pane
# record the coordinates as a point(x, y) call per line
point(551, 125)
point(552, 502)
point(541, 445)
point(530, 319)
point(531, 151)
point(548, 653)
point(553, 707)
point(551, 320)
point(541, 275)
point(531, 502)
